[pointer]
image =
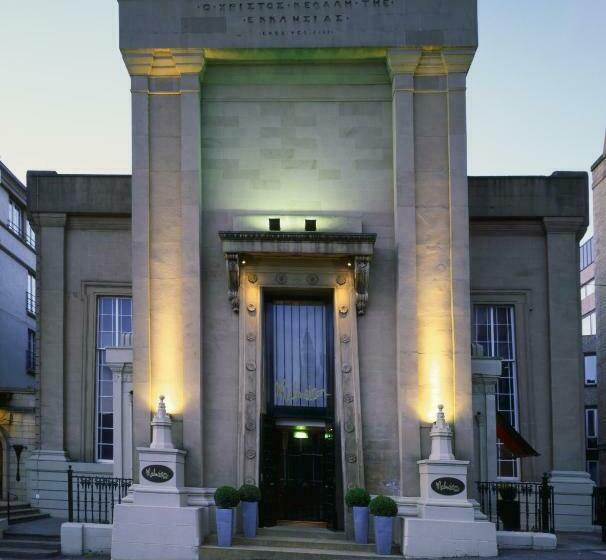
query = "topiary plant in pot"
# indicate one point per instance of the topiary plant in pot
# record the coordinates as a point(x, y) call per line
point(226, 498)
point(384, 509)
point(358, 499)
point(250, 495)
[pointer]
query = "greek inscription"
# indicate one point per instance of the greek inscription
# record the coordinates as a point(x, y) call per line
point(292, 17)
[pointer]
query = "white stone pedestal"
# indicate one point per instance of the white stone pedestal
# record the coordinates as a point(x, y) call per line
point(572, 497)
point(445, 526)
point(158, 524)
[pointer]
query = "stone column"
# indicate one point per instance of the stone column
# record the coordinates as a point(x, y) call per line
point(51, 309)
point(119, 361)
point(166, 243)
point(572, 485)
point(486, 373)
point(432, 232)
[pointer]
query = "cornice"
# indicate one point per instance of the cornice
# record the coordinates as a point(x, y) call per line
point(512, 227)
point(298, 236)
point(99, 222)
point(50, 219)
point(159, 63)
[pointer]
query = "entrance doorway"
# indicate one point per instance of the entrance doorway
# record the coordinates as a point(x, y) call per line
point(300, 467)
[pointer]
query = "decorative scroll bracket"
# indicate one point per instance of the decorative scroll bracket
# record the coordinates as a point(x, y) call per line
point(359, 246)
point(361, 279)
point(232, 264)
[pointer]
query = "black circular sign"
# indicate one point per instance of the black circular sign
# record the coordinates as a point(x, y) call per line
point(157, 473)
point(448, 486)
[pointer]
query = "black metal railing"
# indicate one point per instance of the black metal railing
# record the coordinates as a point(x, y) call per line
point(30, 360)
point(9, 495)
point(91, 498)
point(30, 303)
point(518, 506)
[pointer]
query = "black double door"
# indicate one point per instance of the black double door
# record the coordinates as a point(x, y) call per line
point(298, 474)
point(298, 447)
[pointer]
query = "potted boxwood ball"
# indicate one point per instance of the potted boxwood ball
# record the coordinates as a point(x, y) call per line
point(226, 498)
point(358, 499)
point(250, 496)
point(384, 510)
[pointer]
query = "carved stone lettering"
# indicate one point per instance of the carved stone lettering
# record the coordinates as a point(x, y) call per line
point(280, 18)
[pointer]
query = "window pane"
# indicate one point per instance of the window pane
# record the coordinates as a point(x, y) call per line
point(494, 330)
point(590, 369)
point(299, 353)
point(114, 317)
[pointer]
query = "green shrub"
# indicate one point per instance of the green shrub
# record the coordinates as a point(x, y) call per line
point(383, 506)
point(507, 493)
point(226, 497)
point(357, 497)
point(249, 493)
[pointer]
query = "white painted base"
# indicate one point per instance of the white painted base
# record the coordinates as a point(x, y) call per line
point(530, 541)
point(157, 532)
point(83, 538)
point(431, 538)
point(572, 500)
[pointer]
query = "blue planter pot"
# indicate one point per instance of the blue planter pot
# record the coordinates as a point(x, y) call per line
point(249, 518)
point(224, 526)
point(383, 534)
point(360, 519)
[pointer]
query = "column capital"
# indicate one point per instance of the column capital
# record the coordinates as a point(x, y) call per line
point(565, 225)
point(403, 61)
point(159, 63)
point(429, 61)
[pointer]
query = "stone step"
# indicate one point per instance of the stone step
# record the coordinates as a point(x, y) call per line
point(30, 536)
point(302, 542)
point(241, 552)
point(7, 553)
point(22, 518)
point(53, 543)
point(296, 532)
point(15, 506)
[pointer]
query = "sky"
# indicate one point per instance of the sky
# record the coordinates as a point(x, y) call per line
point(536, 89)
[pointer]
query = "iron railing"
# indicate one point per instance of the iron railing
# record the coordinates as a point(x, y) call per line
point(91, 498)
point(30, 360)
point(518, 506)
point(30, 303)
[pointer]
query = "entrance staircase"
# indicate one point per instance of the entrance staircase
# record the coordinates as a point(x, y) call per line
point(300, 543)
point(21, 512)
point(30, 534)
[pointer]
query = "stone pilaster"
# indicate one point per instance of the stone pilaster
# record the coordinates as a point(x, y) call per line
point(51, 310)
point(565, 357)
point(572, 485)
point(432, 240)
point(166, 242)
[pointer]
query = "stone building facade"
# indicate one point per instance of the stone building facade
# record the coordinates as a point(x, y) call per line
point(599, 210)
point(306, 165)
point(18, 308)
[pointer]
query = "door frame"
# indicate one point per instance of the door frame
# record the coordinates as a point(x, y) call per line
point(310, 275)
